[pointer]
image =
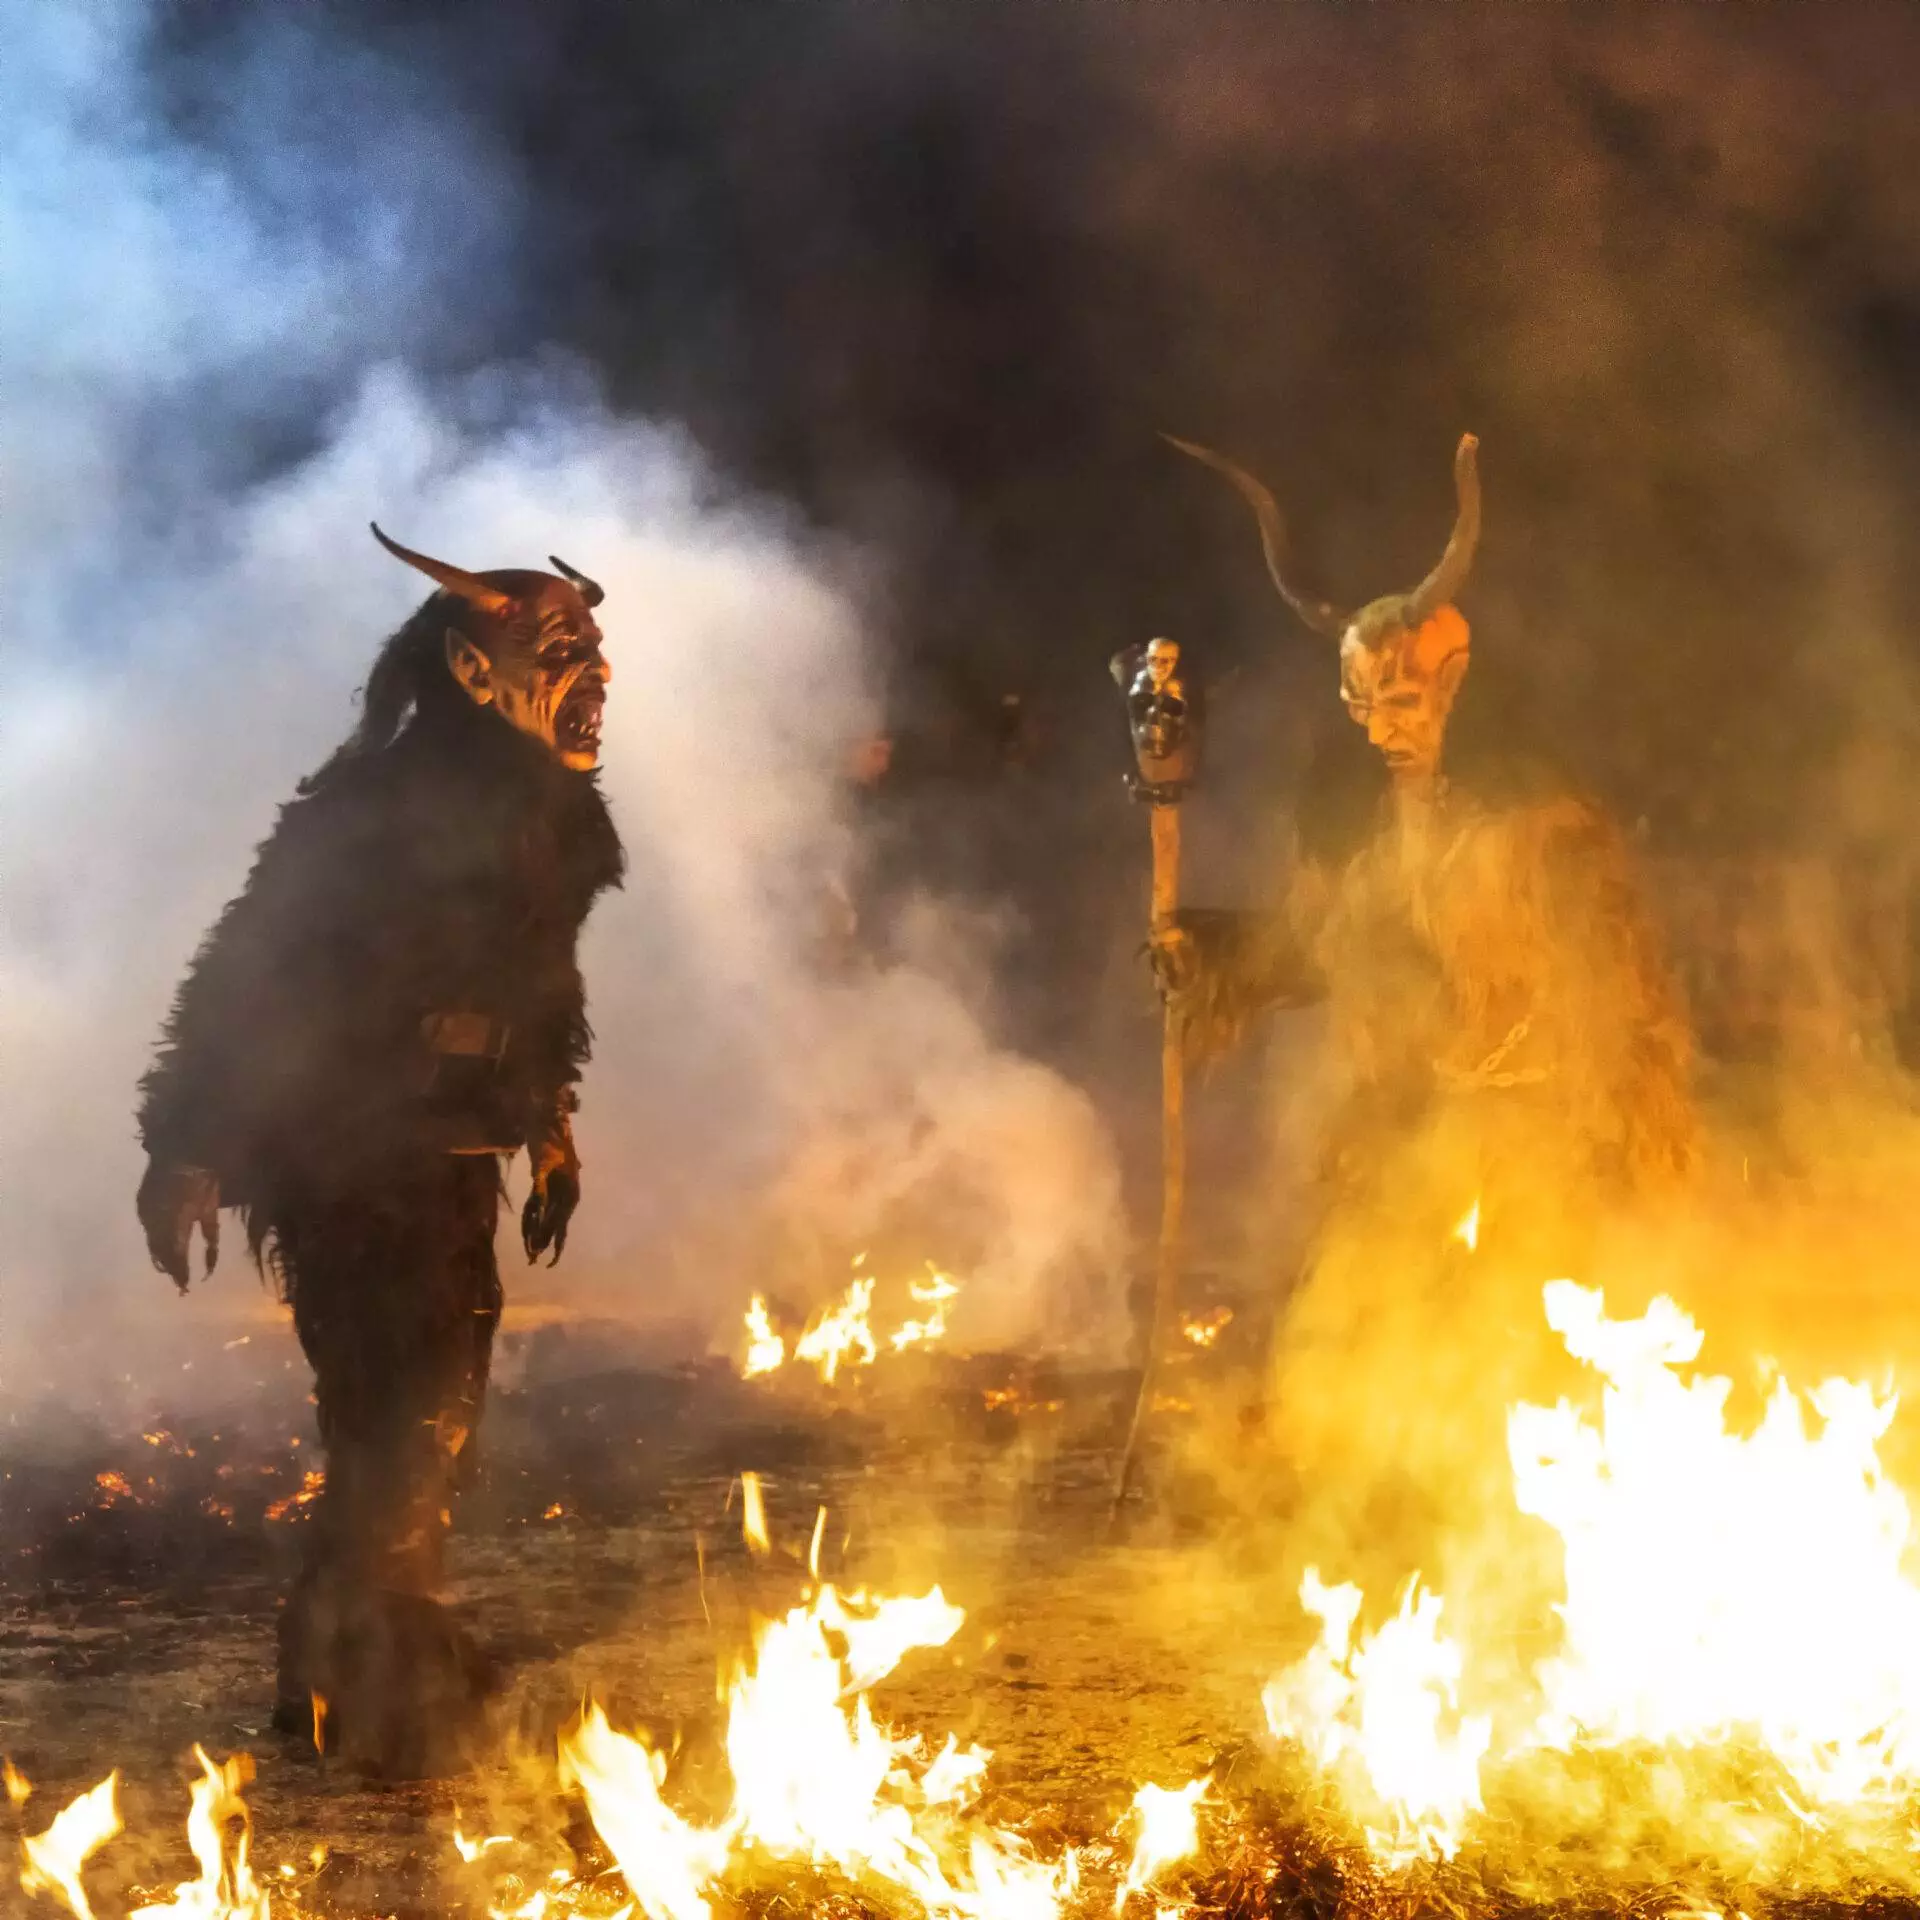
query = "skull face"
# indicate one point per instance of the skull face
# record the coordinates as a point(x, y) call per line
point(539, 665)
point(1163, 661)
point(1399, 682)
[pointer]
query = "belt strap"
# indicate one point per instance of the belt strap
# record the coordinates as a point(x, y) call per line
point(469, 1036)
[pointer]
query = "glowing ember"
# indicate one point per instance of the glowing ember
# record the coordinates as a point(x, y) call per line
point(1379, 1715)
point(1169, 1823)
point(19, 1787)
point(54, 1859)
point(1016, 1400)
point(1203, 1329)
point(309, 1491)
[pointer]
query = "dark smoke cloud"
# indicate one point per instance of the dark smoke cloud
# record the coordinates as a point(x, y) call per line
point(941, 273)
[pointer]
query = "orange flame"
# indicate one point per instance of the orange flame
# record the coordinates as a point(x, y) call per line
point(54, 1859)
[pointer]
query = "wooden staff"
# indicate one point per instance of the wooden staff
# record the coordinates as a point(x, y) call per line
point(1166, 743)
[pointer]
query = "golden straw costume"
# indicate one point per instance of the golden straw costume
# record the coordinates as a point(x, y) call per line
point(1509, 1054)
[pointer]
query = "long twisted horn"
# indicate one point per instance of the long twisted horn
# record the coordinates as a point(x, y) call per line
point(1321, 615)
point(1450, 574)
point(469, 586)
point(591, 591)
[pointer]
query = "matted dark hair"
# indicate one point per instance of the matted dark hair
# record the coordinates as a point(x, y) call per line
point(409, 676)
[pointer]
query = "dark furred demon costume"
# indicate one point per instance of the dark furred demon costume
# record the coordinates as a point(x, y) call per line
point(390, 1007)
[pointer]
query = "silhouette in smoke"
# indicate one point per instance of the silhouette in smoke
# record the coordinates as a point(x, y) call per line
point(390, 1008)
point(1505, 1022)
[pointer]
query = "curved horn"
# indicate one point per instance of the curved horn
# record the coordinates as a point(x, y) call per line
point(1321, 615)
point(469, 586)
point(1450, 574)
point(591, 591)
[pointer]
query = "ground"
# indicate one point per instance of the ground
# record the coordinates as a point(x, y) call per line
point(601, 1552)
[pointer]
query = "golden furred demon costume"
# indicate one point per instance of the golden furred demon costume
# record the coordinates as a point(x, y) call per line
point(390, 1008)
point(1509, 1054)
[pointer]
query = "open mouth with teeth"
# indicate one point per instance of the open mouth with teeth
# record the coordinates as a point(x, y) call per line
point(577, 725)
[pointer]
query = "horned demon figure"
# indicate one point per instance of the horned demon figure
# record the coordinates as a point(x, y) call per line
point(1502, 1025)
point(388, 1010)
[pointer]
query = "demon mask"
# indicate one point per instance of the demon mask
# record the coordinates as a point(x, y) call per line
point(1403, 656)
point(526, 644)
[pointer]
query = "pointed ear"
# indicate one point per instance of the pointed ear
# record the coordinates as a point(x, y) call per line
point(470, 666)
point(1453, 669)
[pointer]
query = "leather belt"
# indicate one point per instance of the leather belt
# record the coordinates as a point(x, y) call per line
point(467, 1036)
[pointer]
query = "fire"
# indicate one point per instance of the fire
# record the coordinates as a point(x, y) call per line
point(1380, 1717)
point(935, 1291)
point(666, 1863)
point(842, 1336)
point(472, 1850)
point(753, 1514)
point(1169, 1822)
point(765, 1349)
point(309, 1490)
point(1724, 1592)
point(55, 1858)
point(1468, 1231)
point(1722, 1586)
point(220, 1831)
point(817, 1779)
point(19, 1787)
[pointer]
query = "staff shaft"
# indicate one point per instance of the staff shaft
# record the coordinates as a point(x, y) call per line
point(1173, 1149)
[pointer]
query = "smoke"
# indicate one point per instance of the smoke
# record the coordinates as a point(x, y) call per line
point(935, 280)
point(234, 350)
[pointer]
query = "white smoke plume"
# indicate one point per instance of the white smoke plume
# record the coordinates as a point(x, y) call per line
point(193, 606)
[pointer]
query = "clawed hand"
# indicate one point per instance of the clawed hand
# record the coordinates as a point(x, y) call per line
point(556, 1191)
point(172, 1201)
point(1173, 956)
